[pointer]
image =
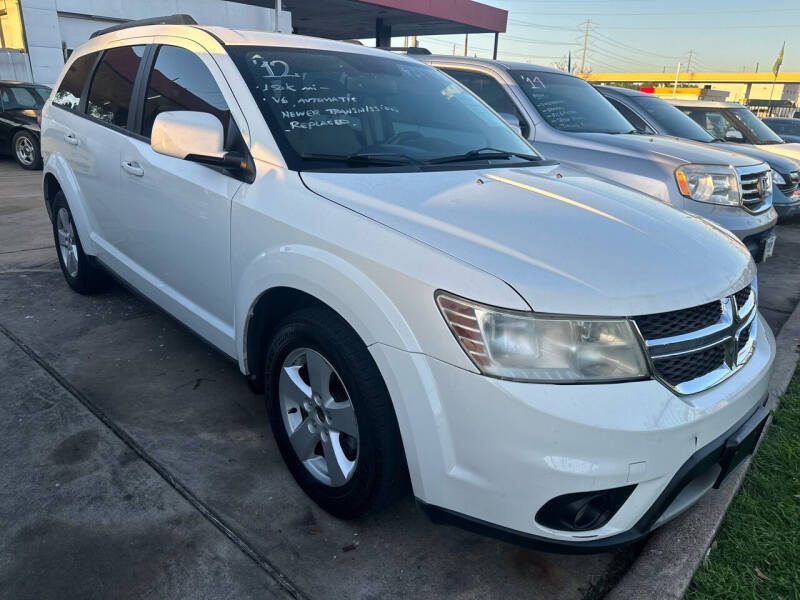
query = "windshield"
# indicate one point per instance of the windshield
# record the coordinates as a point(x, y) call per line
point(333, 109)
point(762, 133)
point(570, 104)
point(671, 120)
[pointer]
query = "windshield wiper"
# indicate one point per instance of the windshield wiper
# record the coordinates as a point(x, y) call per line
point(385, 159)
point(485, 153)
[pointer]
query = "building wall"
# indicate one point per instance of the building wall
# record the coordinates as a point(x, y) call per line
point(54, 27)
point(760, 91)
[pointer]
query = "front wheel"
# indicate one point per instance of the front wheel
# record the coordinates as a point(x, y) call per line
point(81, 274)
point(25, 147)
point(332, 416)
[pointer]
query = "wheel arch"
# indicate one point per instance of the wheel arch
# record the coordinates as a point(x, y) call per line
point(59, 177)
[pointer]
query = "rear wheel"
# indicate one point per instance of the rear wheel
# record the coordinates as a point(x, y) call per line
point(82, 274)
point(332, 416)
point(25, 147)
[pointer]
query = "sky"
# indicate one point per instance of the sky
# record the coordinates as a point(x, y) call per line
point(642, 35)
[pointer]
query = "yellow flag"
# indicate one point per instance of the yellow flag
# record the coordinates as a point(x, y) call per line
point(778, 61)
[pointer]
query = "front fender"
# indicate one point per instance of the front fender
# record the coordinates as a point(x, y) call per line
point(330, 279)
point(59, 168)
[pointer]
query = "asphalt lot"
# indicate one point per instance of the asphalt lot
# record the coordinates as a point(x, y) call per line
point(138, 463)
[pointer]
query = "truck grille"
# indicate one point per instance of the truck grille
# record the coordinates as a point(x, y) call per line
point(696, 348)
point(792, 183)
point(754, 183)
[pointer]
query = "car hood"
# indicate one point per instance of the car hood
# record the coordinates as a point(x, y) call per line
point(667, 149)
point(792, 150)
point(568, 243)
point(778, 163)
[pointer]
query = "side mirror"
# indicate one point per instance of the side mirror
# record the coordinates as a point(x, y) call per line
point(195, 136)
point(734, 135)
point(513, 121)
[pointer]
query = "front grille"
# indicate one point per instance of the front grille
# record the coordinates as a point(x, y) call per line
point(792, 183)
point(678, 322)
point(742, 296)
point(744, 336)
point(696, 348)
point(686, 367)
point(754, 185)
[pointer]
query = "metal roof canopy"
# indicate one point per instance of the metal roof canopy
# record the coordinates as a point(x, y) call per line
point(382, 19)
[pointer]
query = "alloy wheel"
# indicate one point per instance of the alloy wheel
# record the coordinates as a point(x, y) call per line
point(26, 153)
point(67, 241)
point(319, 418)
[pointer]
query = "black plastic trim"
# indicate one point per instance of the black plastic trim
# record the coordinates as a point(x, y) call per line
point(702, 459)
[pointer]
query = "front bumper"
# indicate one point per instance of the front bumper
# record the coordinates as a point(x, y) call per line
point(488, 453)
point(788, 207)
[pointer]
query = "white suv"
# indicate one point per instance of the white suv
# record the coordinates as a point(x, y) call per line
point(544, 355)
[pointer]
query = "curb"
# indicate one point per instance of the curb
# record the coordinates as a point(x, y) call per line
point(668, 561)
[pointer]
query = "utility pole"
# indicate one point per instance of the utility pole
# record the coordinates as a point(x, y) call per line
point(466, 43)
point(677, 74)
point(585, 43)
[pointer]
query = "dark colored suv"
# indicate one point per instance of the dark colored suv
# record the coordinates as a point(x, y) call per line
point(20, 112)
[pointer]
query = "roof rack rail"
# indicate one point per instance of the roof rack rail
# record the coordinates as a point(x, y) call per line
point(406, 49)
point(181, 19)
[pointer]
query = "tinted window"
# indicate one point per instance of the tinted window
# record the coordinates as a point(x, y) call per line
point(671, 120)
point(630, 116)
point(180, 81)
point(71, 88)
point(487, 88)
point(569, 103)
point(21, 98)
point(112, 84)
point(330, 105)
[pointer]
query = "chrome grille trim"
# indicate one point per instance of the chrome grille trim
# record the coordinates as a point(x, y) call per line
point(734, 321)
point(752, 187)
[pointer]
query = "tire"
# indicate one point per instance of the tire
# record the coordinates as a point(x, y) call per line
point(82, 274)
point(26, 150)
point(379, 474)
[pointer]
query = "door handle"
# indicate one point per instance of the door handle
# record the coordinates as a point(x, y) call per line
point(71, 138)
point(132, 167)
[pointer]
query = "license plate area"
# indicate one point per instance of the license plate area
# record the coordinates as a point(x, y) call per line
point(769, 247)
point(742, 443)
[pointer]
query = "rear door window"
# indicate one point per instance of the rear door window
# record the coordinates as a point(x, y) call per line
point(69, 92)
point(110, 92)
point(181, 81)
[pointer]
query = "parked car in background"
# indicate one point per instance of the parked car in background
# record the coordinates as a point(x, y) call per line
point(20, 110)
point(734, 122)
point(569, 121)
point(546, 356)
point(786, 127)
point(652, 115)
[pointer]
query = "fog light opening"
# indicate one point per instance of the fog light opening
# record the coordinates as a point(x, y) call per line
point(583, 511)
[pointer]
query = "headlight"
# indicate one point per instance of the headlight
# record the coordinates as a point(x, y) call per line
point(527, 347)
point(778, 179)
point(715, 184)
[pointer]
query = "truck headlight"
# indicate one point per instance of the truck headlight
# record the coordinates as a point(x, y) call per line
point(715, 184)
point(550, 349)
point(778, 179)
